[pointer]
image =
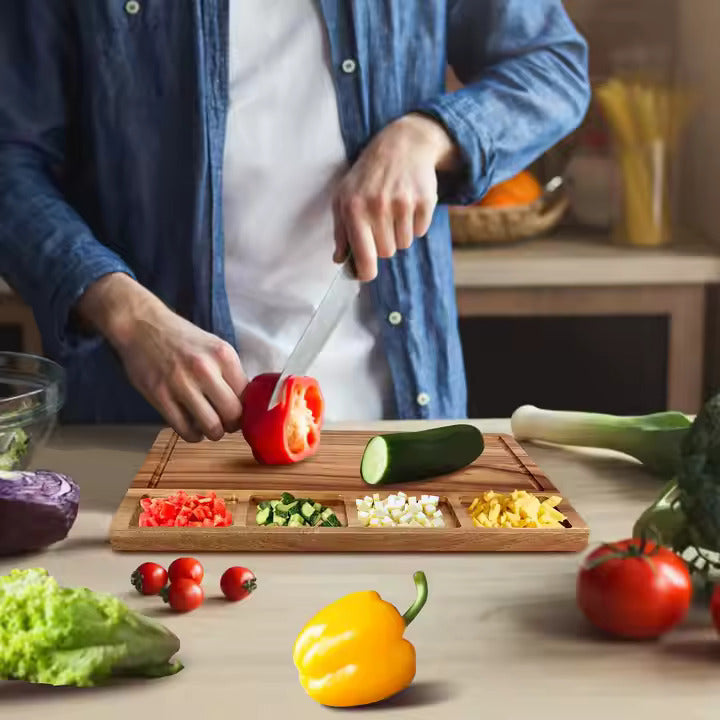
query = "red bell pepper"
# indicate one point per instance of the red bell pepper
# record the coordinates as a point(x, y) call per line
point(290, 431)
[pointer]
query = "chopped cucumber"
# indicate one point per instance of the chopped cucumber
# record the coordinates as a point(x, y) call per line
point(282, 510)
point(291, 511)
point(264, 516)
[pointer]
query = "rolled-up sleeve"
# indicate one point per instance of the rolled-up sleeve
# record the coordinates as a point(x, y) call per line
point(524, 69)
point(48, 253)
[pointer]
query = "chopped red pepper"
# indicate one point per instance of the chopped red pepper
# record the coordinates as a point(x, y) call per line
point(290, 431)
point(183, 510)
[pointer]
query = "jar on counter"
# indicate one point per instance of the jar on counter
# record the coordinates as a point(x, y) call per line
point(593, 182)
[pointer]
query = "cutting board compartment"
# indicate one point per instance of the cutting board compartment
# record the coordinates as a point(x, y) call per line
point(332, 478)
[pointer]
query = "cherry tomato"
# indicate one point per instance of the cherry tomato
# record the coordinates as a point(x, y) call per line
point(186, 567)
point(634, 589)
point(149, 578)
point(237, 583)
point(183, 595)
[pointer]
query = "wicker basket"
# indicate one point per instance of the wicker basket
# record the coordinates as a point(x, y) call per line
point(475, 224)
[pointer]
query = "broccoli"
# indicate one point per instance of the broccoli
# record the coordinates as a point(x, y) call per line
point(13, 449)
point(73, 636)
point(686, 515)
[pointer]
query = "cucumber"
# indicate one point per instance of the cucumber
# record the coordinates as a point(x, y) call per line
point(263, 516)
point(331, 521)
point(294, 507)
point(307, 510)
point(281, 510)
point(286, 498)
point(273, 503)
point(296, 521)
point(417, 455)
point(280, 521)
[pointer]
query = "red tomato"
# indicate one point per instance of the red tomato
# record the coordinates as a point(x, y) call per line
point(715, 607)
point(183, 595)
point(149, 578)
point(634, 589)
point(237, 583)
point(186, 567)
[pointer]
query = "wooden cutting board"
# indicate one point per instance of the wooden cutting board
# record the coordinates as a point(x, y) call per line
point(332, 478)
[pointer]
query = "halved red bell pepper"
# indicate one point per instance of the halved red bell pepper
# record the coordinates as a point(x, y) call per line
point(290, 431)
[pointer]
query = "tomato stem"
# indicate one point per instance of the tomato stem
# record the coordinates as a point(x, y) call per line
point(632, 550)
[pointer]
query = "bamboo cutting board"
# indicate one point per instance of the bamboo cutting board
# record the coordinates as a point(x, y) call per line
point(332, 477)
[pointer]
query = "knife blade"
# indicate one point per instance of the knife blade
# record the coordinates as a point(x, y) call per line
point(343, 288)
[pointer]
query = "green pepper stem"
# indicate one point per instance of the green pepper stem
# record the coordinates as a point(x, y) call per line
point(422, 593)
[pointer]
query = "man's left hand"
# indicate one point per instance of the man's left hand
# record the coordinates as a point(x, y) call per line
point(389, 195)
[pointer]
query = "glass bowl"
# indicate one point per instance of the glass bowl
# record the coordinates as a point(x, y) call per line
point(32, 392)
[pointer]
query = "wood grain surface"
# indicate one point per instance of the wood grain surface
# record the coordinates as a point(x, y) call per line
point(332, 477)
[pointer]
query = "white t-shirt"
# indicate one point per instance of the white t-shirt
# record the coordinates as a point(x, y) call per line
point(284, 154)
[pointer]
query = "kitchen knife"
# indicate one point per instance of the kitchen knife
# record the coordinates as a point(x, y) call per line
point(343, 289)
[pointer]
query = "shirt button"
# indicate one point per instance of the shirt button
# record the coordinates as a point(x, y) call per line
point(423, 399)
point(132, 7)
point(348, 66)
point(394, 318)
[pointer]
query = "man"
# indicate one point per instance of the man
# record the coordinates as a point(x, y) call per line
point(176, 180)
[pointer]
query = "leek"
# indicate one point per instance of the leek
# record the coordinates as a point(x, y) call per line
point(654, 439)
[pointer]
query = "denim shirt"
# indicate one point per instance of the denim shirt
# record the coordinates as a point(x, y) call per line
point(112, 123)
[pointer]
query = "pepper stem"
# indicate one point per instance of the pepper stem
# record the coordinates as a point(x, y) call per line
point(422, 593)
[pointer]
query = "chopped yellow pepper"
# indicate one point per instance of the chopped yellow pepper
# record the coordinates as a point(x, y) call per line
point(518, 509)
point(353, 651)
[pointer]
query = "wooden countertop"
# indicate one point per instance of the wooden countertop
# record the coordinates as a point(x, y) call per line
point(576, 261)
point(500, 636)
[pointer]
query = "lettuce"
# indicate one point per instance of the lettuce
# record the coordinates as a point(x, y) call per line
point(73, 636)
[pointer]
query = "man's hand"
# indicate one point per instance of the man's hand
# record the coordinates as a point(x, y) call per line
point(191, 377)
point(388, 197)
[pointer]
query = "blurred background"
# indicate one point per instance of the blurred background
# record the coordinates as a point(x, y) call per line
point(590, 281)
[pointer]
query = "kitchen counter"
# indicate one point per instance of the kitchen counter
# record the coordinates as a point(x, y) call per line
point(500, 636)
point(582, 261)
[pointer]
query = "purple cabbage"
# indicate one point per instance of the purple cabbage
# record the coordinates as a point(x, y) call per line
point(37, 509)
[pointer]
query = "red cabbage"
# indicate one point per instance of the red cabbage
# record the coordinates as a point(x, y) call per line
point(37, 509)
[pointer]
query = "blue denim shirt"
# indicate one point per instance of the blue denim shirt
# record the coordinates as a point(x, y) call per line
point(112, 122)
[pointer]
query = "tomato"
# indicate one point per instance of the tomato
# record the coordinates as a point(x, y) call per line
point(149, 578)
point(715, 607)
point(183, 595)
point(183, 510)
point(634, 589)
point(186, 567)
point(237, 583)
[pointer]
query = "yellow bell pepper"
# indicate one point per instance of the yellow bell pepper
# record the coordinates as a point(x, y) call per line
point(353, 651)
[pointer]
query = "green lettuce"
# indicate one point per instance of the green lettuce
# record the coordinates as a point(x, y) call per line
point(73, 636)
point(13, 449)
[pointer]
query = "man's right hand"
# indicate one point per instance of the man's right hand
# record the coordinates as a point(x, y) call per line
point(193, 378)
